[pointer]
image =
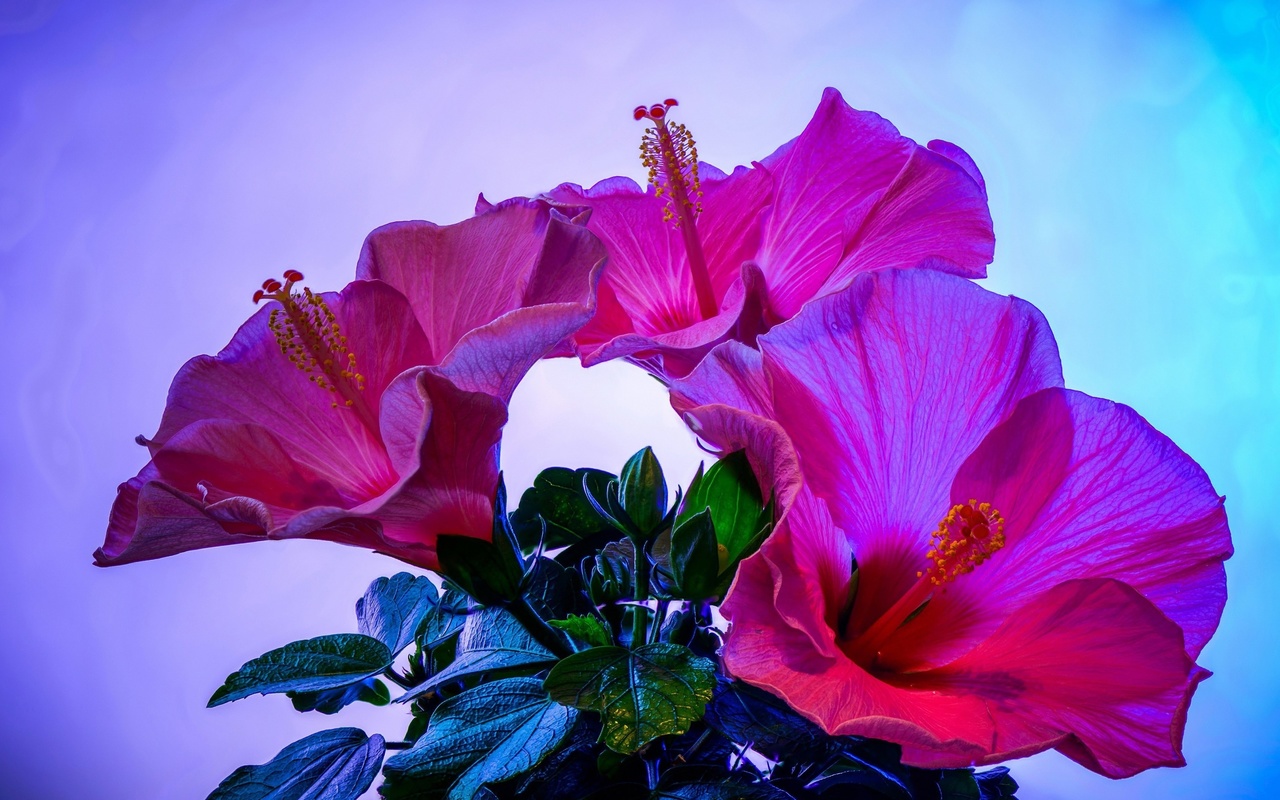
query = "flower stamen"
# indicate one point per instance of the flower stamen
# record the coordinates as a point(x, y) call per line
point(308, 334)
point(967, 536)
point(670, 154)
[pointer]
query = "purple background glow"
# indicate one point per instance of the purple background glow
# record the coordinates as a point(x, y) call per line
point(159, 159)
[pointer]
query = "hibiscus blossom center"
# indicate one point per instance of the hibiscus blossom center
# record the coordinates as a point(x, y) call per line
point(967, 536)
point(670, 154)
point(309, 335)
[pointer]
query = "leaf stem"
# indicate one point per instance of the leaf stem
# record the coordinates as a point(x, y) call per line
point(537, 627)
point(640, 614)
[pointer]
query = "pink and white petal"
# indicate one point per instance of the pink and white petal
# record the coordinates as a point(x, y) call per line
point(648, 270)
point(729, 227)
point(1089, 489)
point(768, 651)
point(932, 215)
point(732, 374)
point(251, 381)
point(464, 276)
point(1090, 667)
point(151, 519)
point(885, 388)
point(243, 459)
point(840, 159)
point(454, 489)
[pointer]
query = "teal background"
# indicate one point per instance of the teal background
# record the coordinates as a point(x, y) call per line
point(159, 159)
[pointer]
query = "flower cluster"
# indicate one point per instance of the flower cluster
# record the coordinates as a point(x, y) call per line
point(932, 555)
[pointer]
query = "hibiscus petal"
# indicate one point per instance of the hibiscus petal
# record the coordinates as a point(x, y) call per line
point(151, 519)
point(1088, 489)
point(251, 381)
point(1090, 667)
point(885, 389)
point(521, 258)
point(453, 491)
point(852, 191)
point(732, 374)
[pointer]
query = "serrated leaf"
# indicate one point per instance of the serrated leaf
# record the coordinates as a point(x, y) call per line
point(642, 491)
point(551, 588)
point(444, 621)
point(331, 701)
point(339, 764)
point(729, 488)
point(485, 735)
point(393, 608)
point(694, 557)
point(311, 665)
point(558, 497)
point(655, 690)
point(588, 629)
point(746, 715)
point(492, 640)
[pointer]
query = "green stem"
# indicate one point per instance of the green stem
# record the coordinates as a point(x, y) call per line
point(640, 614)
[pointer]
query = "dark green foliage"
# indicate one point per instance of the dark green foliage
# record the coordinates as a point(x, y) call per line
point(331, 765)
point(331, 701)
point(642, 490)
point(492, 641)
point(488, 734)
point(570, 657)
point(559, 499)
point(393, 608)
point(651, 691)
point(311, 665)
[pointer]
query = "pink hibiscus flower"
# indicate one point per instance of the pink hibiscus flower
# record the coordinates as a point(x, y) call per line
point(701, 256)
point(978, 563)
point(372, 416)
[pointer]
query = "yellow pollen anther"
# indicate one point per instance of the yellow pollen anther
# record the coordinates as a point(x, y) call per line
point(967, 536)
point(308, 334)
point(670, 154)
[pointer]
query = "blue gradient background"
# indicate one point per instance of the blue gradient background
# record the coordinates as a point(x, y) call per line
point(159, 159)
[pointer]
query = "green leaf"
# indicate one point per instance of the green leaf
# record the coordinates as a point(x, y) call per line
point(654, 690)
point(695, 559)
point(721, 790)
point(393, 608)
point(588, 629)
point(958, 784)
point(331, 765)
point(613, 577)
point(311, 665)
point(744, 714)
point(730, 490)
point(558, 497)
point(642, 490)
point(479, 568)
point(486, 735)
point(443, 621)
point(331, 701)
point(492, 640)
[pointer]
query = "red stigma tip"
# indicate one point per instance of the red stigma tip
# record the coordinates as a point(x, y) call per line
point(292, 275)
point(669, 102)
point(657, 111)
point(271, 285)
point(257, 297)
point(640, 113)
